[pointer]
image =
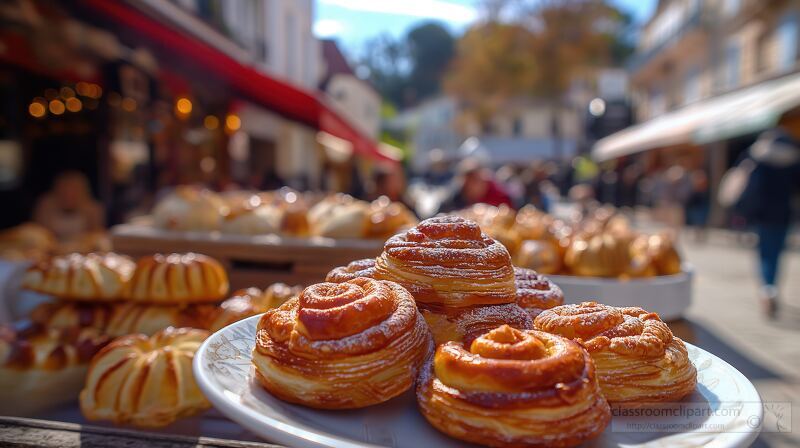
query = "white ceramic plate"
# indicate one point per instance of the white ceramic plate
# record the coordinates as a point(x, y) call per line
point(223, 370)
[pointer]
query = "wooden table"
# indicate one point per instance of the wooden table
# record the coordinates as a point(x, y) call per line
point(26, 432)
point(250, 260)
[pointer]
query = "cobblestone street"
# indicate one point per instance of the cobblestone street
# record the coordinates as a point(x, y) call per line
point(726, 320)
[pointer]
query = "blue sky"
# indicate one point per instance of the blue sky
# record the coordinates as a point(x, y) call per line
point(353, 22)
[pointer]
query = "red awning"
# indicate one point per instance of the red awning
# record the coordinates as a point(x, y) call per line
point(283, 98)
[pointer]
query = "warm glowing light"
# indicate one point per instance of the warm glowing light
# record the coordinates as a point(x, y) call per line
point(83, 88)
point(67, 92)
point(74, 104)
point(37, 110)
point(56, 107)
point(597, 107)
point(129, 104)
point(211, 122)
point(97, 91)
point(183, 106)
point(233, 123)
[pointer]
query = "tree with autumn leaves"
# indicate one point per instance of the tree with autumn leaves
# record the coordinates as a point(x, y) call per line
point(533, 49)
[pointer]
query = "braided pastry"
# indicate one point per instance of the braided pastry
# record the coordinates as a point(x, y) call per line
point(638, 359)
point(355, 269)
point(145, 381)
point(81, 277)
point(536, 293)
point(177, 279)
point(513, 388)
point(342, 345)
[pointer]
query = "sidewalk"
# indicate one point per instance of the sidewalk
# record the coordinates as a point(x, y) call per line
point(726, 320)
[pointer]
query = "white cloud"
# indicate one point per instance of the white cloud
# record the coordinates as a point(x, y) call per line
point(435, 9)
point(326, 28)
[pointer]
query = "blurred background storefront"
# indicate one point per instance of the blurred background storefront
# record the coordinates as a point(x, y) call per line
point(139, 95)
point(706, 78)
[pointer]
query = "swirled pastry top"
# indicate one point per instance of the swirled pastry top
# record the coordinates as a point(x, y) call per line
point(447, 260)
point(339, 319)
point(81, 277)
point(626, 331)
point(354, 269)
point(536, 292)
point(514, 361)
point(146, 381)
point(178, 278)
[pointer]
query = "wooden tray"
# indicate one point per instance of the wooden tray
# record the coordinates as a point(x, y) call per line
point(250, 260)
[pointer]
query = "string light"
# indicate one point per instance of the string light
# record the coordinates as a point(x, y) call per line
point(211, 122)
point(183, 106)
point(233, 123)
point(129, 104)
point(67, 92)
point(74, 104)
point(37, 110)
point(57, 107)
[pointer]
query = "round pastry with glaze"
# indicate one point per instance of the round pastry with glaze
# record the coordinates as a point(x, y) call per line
point(447, 261)
point(535, 292)
point(177, 279)
point(354, 269)
point(342, 345)
point(258, 220)
point(638, 359)
point(145, 381)
point(514, 388)
point(92, 276)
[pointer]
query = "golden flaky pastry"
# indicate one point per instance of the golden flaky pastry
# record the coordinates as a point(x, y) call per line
point(249, 302)
point(190, 208)
point(100, 277)
point(638, 359)
point(514, 388)
point(462, 279)
point(535, 292)
point(342, 345)
point(145, 381)
point(355, 269)
point(43, 368)
point(177, 279)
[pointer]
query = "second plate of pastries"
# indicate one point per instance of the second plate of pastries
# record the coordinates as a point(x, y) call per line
point(441, 342)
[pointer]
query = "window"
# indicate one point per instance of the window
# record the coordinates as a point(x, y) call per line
point(732, 66)
point(691, 92)
point(787, 42)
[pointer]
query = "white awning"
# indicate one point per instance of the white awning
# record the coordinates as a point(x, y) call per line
point(730, 115)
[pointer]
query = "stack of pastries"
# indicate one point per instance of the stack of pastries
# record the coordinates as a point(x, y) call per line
point(113, 296)
point(512, 365)
point(597, 243)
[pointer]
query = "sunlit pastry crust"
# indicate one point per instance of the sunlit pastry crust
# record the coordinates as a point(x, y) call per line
point(447, 261)
point(638, 359)
point(42, 368)
point(514, 388)
point(345, 345)
point(355, 269)
point(100, 277)
point(249, 302)
point(535, 292)
point(466, 324)
point(177, 279)
point(145, 381)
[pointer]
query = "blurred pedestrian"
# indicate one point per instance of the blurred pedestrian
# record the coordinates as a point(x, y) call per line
point(760, 188)
point(389, 181)
point(474, 184)
point(697, 206)
point(68, 209)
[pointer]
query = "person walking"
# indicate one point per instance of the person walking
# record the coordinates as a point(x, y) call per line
point(760, 188)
